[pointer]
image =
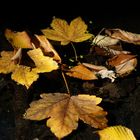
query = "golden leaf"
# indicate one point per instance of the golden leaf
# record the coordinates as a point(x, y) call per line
point(18, 39)
point(6, 64)
point(81, 72)
point(24, 76)
point(116, 133)
point(64, 111)
point(43, 63)
point(61, 31)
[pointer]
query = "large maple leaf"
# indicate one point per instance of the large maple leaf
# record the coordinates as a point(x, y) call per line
point(61, 31)
point(64, 111)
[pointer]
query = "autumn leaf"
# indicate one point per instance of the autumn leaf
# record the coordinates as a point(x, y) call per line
point(116, 133)
point(43, 63)
point(124, 36)
point(64, 111)
point(18, 39)
point(81, 72)
point(61, 31)
point(6, 64)
point(24, 75)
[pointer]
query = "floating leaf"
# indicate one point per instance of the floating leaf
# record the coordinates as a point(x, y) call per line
point(124, 35)
point(64, 111)
point(61, 31)
point(43, 63)
point(24, 76)
point(6, 64)
point(81, 72)
point(116, 133)
point(18, 39)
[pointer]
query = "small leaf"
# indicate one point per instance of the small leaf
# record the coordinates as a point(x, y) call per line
point(24, 76)
point(81, 72)
point(64, 111)
point(43, 63)
point(116, 133)
point(6, 64)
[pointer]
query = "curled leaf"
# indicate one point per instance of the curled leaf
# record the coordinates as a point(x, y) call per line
point(64, 111)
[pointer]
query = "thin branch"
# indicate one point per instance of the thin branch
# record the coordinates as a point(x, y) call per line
point(75, 53)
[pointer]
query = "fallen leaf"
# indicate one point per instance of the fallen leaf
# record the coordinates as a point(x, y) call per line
point(116, 133)
point(43, 63)
point(64, 111)
point(81, 72)
point(24, 76)
point(48, 48)
point(61, 31)
point(124, 36)
point(6, 63)
point(18, 39)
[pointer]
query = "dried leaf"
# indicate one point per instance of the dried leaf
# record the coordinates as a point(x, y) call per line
point(124, 35)
point(18, 39)
point(64, 111)
point(6, 64)
point(24, 76)
point(116, 133)
point(61, 31)
point(81, 72)
point(43, 63)
point(48, 48)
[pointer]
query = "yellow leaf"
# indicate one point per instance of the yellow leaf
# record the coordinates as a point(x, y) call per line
point(18, 39)
point(81, 72)
point(61, 31)
point(64, 111)
point(116, 133)
point(6, 64)
point(43, 63)
point(24, 76)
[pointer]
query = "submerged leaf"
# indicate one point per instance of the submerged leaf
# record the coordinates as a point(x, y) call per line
point(64, 111)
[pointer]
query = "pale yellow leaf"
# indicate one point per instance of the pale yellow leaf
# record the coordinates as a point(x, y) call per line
point(6, 64)
point(64, 111)
point(116, 133)
point(24, 75)
point(43, 63)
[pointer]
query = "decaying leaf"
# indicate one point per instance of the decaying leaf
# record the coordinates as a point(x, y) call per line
point(124, 36)
point(6, 64)
point(64, 111)
point(24, 76)
point(61, 31)
point(116, 133)
point(81, 72)
point(43, 63)
point(18, 39)
point(48, 48)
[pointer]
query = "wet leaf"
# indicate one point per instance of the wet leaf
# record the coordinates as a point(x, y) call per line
point(61, 31)
point(81, 72)
point(124, 35)
point(43, 63)
point(24, 76)
point(18, 39)
point(116, 133)
point(64, 111)
point(6, 63)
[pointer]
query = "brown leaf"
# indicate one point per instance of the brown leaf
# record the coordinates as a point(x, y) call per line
point(124, 35)
point(81, 72)
point(64, 111)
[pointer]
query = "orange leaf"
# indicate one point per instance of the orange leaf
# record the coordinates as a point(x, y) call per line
point(64, 111)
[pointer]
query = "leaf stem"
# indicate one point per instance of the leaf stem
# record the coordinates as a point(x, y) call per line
point(75, 53)
point(66, 84)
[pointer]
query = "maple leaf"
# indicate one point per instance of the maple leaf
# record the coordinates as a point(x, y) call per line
point(6, 64)
point(24, 76)
point(61, 31)
point(18, 39)
point(116, 133)
point(64, 111)
point(43, 63)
